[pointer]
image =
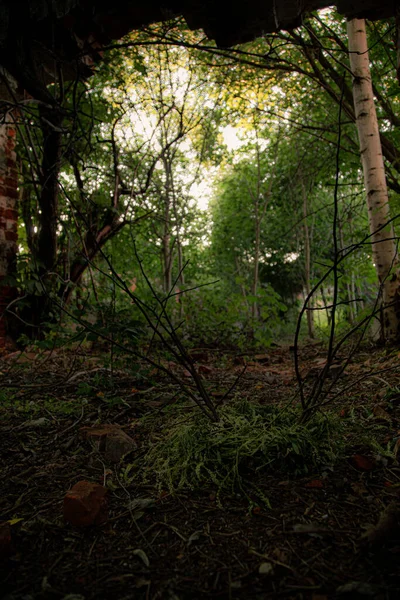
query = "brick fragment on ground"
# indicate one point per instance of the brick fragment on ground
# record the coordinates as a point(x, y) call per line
point(362, 463)
point(86, 504)
point(110, 440)
point(5, 540)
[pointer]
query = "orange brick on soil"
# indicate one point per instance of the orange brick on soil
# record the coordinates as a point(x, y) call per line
point(86, 504)
point(362, 463)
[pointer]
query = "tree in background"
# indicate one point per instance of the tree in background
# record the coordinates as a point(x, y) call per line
point(384, 246)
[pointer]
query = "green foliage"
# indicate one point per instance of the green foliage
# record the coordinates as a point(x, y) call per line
point(215, 316)
point(248, 439)
point(145, 140)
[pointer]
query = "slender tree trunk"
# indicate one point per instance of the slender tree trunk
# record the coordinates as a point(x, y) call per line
point(8, 224)
point(47, 235)
point(384, 247)
point(254, 307)
point(242, 287)
point(167, 245)
point(353, 297)
point(350, 296)
point(166, 250)
point(179, 248)
point(325, 303)
point(307, 252)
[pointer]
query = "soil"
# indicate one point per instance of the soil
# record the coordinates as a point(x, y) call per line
point(308, 544)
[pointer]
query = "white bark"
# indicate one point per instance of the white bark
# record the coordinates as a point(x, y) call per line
point(384, 247)
point(398, 41)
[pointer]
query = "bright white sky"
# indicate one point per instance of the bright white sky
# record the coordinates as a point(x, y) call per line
point(202, 190)
point(231, 139)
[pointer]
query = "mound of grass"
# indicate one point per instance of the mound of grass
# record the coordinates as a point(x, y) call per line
point(248, 440)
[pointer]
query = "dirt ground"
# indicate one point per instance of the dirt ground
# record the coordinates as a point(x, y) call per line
point(307, 545)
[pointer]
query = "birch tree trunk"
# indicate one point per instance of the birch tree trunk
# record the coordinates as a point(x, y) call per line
point(398, 41)
point(383, 243)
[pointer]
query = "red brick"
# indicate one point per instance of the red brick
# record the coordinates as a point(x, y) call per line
point(11, 236)
point(11, 225)
point(363, 463)
point(86, 504)
point(11, 180)
point(8, 192)
point(10, 163)
point(10, 213)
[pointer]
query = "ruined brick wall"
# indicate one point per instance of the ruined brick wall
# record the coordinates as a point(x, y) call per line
point(8, 220)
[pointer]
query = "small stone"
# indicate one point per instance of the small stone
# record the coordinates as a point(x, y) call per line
point(5, 540)
point(111, 441)
point(41, 422)
point(86, 504)
point(361, 588)
point(118, 444)
point(266, 568)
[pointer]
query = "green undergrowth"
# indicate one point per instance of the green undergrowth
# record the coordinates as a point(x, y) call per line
point(191, 452)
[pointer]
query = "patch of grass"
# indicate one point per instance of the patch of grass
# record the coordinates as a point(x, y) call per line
point(248, 440)
point(11, 404)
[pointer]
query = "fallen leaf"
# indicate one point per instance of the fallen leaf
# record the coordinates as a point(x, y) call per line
point(309, 509)
point(315, 483)
point(14, 521)
point(141, 503)
point(194, 537)
point(218, 394)
point(381, 413)
point(261, 358)
point(359, 488)
point(142, 555)
point(236, 585)
point(41, 422)
point(396, 447)
point(313, 529)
